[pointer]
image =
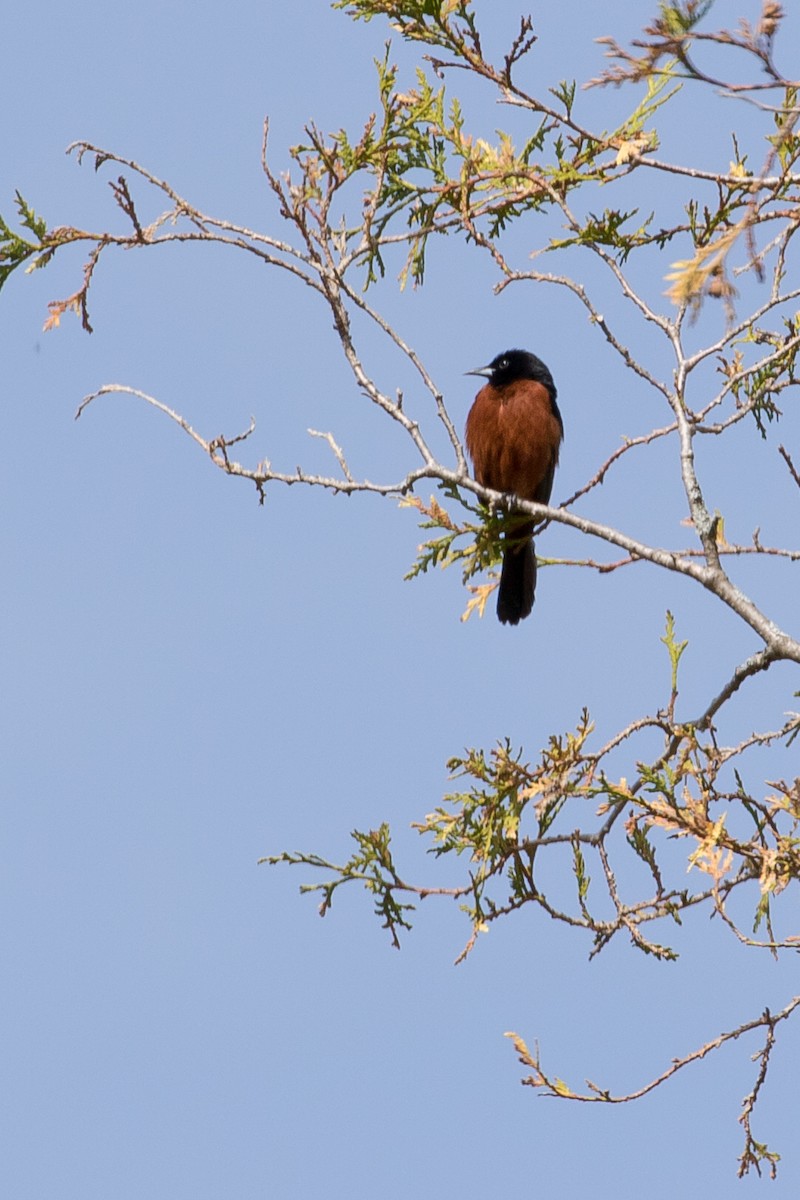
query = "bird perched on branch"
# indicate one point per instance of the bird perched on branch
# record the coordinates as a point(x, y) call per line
point(514, 431)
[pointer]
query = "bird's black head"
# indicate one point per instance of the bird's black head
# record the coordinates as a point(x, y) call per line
point(513, 365)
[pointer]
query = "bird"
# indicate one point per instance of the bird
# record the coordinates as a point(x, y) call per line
point(513, 435)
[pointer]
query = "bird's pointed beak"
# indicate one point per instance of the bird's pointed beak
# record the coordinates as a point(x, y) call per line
point(485, 371)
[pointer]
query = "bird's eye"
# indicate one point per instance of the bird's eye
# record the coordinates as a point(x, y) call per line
point(502, 365)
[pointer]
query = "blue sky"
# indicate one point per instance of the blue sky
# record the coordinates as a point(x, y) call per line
point(194, 681)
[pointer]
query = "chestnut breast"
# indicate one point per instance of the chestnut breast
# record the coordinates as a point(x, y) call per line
point(513, 436)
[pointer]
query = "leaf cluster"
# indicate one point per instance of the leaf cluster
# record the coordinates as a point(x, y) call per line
point(15, 250)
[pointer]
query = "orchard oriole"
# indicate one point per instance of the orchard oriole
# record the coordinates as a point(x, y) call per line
point(514, 431)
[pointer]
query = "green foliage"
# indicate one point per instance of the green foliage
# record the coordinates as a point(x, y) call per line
point(371, 865)
point(607, 230)
point(756, 388)
point(16, 250)
point(678, 19)
point(785, 139)
point(756, 1154)
point(660, 89)
point(37, 225)
point(431, 174)
point(483, 540)
point(674, 649)
point(565, 93)
point(436, 22)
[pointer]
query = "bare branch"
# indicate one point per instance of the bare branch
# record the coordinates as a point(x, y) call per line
point(784, 453)
point(598, 1095)
point(337, 450)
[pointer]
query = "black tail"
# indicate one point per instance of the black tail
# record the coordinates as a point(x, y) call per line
point(517, 584)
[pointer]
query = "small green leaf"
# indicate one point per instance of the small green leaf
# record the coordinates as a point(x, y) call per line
point(674, 648)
